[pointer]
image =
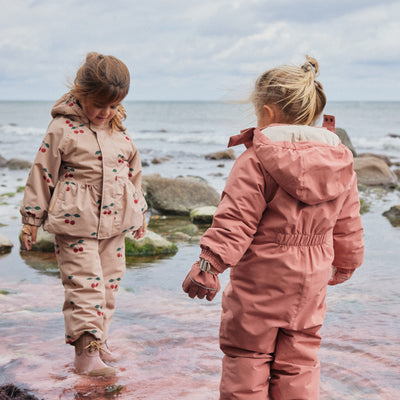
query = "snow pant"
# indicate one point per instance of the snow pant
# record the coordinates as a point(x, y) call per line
point(290, 372)
point(91, 272)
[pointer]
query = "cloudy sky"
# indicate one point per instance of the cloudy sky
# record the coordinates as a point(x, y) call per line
point(201, 49)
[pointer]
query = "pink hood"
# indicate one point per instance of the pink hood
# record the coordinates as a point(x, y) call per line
point(307, 162)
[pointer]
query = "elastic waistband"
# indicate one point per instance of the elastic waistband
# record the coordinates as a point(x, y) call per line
point(298, 239)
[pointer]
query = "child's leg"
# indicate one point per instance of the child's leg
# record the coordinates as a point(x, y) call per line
point(295, 370)
point(82, 277)
point(112, 256)
point(245, 375)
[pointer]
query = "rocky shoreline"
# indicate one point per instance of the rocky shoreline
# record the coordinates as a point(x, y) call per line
point(182, 208)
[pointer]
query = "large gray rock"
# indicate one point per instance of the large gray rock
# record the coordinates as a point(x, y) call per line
point(203, 215)
point(228, 154)
point(372, 171)
point(345, 139)
point(16, 163)
point(178, 195)
point(5, 245)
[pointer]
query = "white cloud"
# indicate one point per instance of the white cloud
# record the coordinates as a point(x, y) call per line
point(181, 49)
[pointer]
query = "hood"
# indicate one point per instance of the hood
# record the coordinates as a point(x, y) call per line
point(67, 106)
point(307, 162)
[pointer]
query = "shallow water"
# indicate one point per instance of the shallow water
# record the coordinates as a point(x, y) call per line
point(170, 342)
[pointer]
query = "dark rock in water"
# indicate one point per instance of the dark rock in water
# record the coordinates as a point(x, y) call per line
point(3, 162)
point(5, 246)
point(345, 139)
point(394, 135)
point(393, 215)
point(16, 163)
point(222, 155)
point(180, 195)
point(381, 156)
point(8, 392)
point(160, 160)
point(372, 171)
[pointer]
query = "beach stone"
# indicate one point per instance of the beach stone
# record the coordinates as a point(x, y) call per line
point(180, 195)
point(16, 163)
point(345, 139)
point(10, 391)
point(393, 215)
point(202, 215)
point(5, 245)
point(151, 244)
point(381, 156)
point(372, 171)
point(3, 162)
point(44, 242)
point(228, 154)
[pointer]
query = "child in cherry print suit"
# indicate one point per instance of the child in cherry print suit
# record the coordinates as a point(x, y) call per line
point(85, 187)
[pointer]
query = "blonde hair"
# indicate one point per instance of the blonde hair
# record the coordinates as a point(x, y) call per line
point(104, 80)
point(294, 90)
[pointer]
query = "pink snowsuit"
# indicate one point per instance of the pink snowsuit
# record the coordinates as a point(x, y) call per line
point(288, 213)
point(85, 187)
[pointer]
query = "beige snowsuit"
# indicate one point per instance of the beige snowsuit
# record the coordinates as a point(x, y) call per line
point(85, 187)
point(289, 211)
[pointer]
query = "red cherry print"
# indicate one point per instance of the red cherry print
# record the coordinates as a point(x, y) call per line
point(71, 104)
point(48, 180)
point(105, 212)
point(71, 125)
point(72, 222)
point(67, 221)
point(67, 121)
point(130, 175)
point(70, 175)
point(81, 131)
point(136, 201)
point(76, 131)
point(93, 285)
point(99, 313)
point(109, 212)
point(44, 177)
point(119, 255)
point(68, 189)
point(75, 250)
point(66, 176)
point(97, 284)
point(43, 150)
point(80, 248)
point(100, 158)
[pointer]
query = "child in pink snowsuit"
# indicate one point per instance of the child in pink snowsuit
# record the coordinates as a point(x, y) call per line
point(85, 187)
point(288, 225)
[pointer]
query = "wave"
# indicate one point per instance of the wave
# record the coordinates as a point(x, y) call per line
point(13, 129)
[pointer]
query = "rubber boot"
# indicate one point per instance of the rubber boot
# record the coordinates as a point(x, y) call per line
point(107, 355)
point(87, 357)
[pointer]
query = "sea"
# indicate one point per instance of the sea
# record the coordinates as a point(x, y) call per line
point(169, 341)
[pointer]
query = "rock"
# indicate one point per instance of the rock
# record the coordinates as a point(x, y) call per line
point(160, 160)
point(5, 245)
point(3, 162)
point(372, 171)
point(16, 163)
point(381, 156)
point(202, 215)
point(394, 135)
point(345, 139)
point(150, 245)
point(178, 195)
point(44, 242)
point(10, 391)
point(393, 215)
point(228, 154)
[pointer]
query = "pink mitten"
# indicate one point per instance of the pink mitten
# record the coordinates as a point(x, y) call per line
point(340, 275)
point(201, 283)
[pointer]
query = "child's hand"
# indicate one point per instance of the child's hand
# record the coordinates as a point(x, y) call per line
point(28, 236)
point(142, 230)
point(340, 275)
point(200, 283)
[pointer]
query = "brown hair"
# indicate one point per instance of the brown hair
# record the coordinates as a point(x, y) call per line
point(105, 80)
point(293, 90)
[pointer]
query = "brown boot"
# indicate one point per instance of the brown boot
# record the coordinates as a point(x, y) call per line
point(87, 357)
point(107, 355)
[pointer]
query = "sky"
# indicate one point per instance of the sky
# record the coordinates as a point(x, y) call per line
point(201, 49)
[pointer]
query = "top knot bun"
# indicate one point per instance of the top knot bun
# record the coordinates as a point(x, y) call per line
point(311, 65)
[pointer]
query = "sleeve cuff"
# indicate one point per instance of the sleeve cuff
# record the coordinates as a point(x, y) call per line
point(214, 260)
